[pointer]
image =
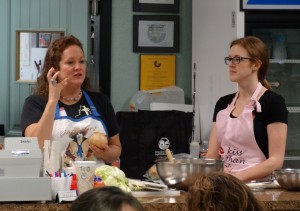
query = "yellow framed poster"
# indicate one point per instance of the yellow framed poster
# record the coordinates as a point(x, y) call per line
point(157, 71)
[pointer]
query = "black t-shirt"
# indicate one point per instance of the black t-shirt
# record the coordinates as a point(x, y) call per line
point(34, 107)
point(273, 110)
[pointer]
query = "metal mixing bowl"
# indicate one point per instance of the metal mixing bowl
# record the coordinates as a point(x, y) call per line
point(288, 178)
point(182, 173)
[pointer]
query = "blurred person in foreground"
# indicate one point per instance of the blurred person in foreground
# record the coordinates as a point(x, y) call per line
point(63, 104)
point(108, 198)
point(249, 127)
point(220, 191)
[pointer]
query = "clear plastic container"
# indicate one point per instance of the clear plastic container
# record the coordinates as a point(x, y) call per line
point(194, 149)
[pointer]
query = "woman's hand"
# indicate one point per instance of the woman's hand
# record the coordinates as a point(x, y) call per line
point(109, 153)
point(55, 86)
point(99, 152)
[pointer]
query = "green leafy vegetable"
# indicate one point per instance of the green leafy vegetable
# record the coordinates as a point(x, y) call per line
point(113, 176)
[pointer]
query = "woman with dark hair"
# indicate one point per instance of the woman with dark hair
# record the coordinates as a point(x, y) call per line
point(62, 102)
point(249, 127)
point(108, 198)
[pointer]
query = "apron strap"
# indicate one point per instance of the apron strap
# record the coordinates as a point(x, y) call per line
point(95, 113)
point(234, 99)
point(57, 115)
point(93, 108)
point(254, 101)
point(254, 97)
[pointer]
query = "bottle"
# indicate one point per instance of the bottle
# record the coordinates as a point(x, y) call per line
point(74, 182)
point(203, 148)
point(194, 149)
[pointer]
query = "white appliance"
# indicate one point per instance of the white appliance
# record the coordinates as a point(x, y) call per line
point(142, 99)
point(171, 106)
point(20, 169)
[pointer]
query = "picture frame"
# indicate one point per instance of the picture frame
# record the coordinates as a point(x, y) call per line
point(157, 71)
point(166, 6)
point(269, 5)
point(31, 47)
point(156, 33)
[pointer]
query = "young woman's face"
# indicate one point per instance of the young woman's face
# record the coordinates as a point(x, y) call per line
point(72, 65)
point(243, 70)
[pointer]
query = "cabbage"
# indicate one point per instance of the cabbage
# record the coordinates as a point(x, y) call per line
point(113, 176)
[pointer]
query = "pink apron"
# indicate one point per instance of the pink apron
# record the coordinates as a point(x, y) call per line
point(239, 149)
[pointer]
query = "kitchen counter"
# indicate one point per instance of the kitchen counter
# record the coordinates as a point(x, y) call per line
point(274, 199)
point(279, 199)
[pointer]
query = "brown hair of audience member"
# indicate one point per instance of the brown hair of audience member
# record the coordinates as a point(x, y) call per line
point(219, 191)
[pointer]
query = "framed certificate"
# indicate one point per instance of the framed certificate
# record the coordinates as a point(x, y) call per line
point(155, 33)
point(167, 6)
point(157, 71)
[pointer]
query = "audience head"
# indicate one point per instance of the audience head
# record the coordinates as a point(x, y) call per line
point(222, 192)
point(106, 198)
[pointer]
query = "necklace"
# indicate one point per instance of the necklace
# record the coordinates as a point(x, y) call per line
point(71, 99)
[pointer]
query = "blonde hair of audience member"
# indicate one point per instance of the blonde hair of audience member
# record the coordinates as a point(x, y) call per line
point(108, 198)
point(222, 192)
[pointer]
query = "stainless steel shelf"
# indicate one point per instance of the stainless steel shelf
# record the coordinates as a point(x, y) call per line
point(293, 109)
point(285, 61)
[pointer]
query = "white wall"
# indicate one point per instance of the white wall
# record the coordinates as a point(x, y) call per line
point(213, 29)
point(125, 63)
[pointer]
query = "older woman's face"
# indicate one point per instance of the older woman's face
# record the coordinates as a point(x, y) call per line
point(72, 65)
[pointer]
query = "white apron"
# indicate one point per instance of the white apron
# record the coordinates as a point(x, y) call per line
point(239, 149)
point(72, 134)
